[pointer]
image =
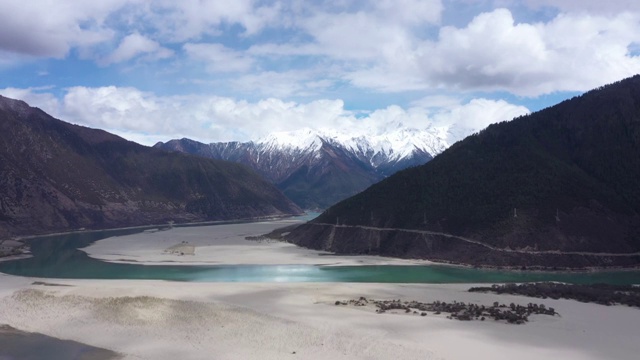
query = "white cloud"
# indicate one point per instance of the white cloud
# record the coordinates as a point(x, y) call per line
point(387, 48)
point(48, 28)
point(184, 20)
point(597, 7)
point(149, 118)
point(290, 49)
point(372, 45)
point(437, 101)
point(283, 84)
point(413, 12)
point(37, 97)
point(570, 53)
point(355, 36)
point(474, 116)
point(135, 45)
point(368, 34)
point(219, 58)
point(51, 28)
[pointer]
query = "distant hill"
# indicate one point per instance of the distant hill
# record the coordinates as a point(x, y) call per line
point(557, 188)
point(317, 169)
point(55, 176)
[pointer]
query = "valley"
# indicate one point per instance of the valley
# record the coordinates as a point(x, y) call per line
point(316, 169)
point(175, 304)
point(322, 180)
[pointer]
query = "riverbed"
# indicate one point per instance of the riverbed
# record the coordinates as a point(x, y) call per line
point(121, 290)
point(221, 253)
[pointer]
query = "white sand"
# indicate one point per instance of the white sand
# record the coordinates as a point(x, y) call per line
point(222, 245)
point(167, 320)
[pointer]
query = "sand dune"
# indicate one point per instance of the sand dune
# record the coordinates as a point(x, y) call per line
point(167, 320)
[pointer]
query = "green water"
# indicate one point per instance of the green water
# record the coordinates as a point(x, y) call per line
point(59, 257)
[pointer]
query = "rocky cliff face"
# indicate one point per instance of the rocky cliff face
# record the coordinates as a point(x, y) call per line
point(56, 176)
point(557, 187)
point(317, 169)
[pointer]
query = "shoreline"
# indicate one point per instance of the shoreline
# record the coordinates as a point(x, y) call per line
point(186, 224)
point(224, 245)
point(17, 344)
point(27, 238)
point(540, 269)
point(233, 248)
point(446, 248)
point(323, 256)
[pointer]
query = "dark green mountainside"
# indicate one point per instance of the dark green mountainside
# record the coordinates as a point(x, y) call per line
point(565, 179)
point(56, 176)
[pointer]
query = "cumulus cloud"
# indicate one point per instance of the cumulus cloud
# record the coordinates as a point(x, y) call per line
point(51, 28)
point(146, 117)
point(37, 97)
point(573, 52)
point(386, 46)
point(474, 116)
point(46, 28)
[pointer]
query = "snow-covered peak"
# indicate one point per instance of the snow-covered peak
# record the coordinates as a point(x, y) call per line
point(396, 144)
point(400, 143)
point(303, 139)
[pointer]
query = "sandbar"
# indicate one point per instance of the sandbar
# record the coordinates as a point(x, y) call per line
point(223, 245)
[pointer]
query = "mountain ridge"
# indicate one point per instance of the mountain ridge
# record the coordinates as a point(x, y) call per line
point(563, 179)
point(318, 168)
point(56, 176)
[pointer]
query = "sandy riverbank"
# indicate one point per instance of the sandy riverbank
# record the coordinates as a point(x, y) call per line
point(168, 320)
point(222, 245)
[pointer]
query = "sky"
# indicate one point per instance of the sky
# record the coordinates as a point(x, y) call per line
point(214, 70)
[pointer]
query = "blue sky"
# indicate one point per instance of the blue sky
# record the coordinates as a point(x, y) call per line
point(153, 70)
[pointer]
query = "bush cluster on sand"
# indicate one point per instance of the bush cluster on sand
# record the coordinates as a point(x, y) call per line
point(512, 314)
point(604, 294)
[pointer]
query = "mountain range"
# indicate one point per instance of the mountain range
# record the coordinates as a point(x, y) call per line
point(55, 176)
point(556, 188)
point(316, 168)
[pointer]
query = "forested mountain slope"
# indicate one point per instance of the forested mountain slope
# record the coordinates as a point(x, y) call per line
point(564, 179)
point(55, 176)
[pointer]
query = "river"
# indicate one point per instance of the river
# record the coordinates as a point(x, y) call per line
point(58, 257)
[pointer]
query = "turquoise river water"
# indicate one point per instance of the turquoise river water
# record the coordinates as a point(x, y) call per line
point(58, 257)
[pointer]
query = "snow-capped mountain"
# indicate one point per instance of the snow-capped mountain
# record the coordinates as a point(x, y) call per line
point(318, 168)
